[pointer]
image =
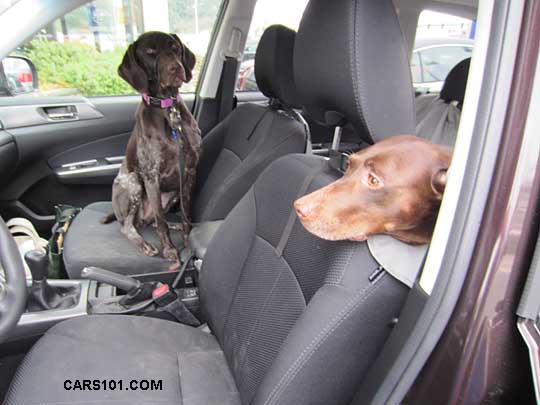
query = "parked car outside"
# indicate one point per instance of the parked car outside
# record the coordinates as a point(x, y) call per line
point(246, 76)
point(433, 58)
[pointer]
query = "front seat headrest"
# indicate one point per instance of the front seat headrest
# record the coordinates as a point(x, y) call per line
point(274, 65)
point(455, 83)
point(351, 64)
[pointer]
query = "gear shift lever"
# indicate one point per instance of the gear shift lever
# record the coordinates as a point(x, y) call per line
point(43, 296)
point(38, 262)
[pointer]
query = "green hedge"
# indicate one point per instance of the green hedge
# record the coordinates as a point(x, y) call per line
point(79, 66)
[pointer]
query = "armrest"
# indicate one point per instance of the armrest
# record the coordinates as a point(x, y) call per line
point(201, 235)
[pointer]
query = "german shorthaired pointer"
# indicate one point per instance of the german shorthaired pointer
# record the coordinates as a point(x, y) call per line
point(165, 142)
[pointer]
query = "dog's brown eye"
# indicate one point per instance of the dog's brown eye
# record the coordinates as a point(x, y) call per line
point(373, 181)
point(345, 164)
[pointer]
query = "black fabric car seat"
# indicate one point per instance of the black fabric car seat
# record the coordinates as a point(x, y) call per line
point(235, 152)
point(438, 115)
point(294, 319)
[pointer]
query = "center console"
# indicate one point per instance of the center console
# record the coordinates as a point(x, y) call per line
point(171, 295)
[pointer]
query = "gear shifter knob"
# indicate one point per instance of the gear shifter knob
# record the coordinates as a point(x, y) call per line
point(38, 263)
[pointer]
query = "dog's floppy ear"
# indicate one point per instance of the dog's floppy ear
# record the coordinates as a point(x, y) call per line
point(132, 72)
point(188, 58)
point(438, 182)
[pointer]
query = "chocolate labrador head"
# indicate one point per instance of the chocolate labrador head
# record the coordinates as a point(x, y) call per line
point(393, 187)
point(157, 63)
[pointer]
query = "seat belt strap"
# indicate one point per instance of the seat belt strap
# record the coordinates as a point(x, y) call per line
point(181, 313)
point(228, 80)
point(292, 215)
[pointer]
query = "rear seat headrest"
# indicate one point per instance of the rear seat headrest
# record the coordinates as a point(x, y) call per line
point(454, 86)
point(274, 65)
point(351, 65)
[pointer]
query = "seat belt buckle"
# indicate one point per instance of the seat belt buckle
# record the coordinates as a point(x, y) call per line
point(175, 266)
point(163, 295)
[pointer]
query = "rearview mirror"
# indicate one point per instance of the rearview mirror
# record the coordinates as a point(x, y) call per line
point(18, 75)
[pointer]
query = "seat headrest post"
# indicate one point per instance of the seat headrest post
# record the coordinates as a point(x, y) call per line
point(336, 140)
point(299, 117)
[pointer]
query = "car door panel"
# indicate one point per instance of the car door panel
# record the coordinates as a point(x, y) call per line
point(95, 162)
point(48, 112)
point(62, 161)
point(8, 155)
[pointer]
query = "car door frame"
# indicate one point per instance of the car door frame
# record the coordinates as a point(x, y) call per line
point(471, 236)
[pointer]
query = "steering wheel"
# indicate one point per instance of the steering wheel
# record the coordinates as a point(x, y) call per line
point(13, 285)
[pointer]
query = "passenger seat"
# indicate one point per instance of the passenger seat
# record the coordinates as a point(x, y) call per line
point(235, 152)
point(438, 115)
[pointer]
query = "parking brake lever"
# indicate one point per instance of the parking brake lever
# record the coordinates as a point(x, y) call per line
point(135, 290)
point(108, 277)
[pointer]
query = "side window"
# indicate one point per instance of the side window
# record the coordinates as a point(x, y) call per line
point(442, 41)
point(438, 61)
point(79, 53)
point(266, 13)
point(416, 71)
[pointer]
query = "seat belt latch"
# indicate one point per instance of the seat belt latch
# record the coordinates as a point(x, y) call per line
point(163, 295)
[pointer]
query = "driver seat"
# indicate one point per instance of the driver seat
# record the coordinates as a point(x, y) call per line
point(294, 319)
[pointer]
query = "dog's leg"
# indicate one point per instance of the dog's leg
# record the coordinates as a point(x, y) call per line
point(154, 197)
point(130, 203)
point(188, 182)
point(130, 231)
point(173, 226)
point(192, 151)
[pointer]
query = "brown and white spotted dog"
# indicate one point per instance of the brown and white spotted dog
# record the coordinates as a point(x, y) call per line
point(394, 187)
point(165, 135)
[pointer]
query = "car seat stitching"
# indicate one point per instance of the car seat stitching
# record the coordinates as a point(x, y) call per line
point(319, 344)
point(258, 317)
point(227, 317)
point(330, 327)
point(179, 377)
point(351, 254)
point(285, 235)
point(359, 99)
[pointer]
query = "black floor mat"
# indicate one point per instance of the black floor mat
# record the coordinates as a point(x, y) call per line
point(8, 366)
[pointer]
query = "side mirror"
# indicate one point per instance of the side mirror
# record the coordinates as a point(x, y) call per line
point(18, 75)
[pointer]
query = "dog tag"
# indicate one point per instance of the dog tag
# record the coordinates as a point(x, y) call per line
point(173, 133)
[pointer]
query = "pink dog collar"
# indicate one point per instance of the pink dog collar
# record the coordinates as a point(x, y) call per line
point(160, 102)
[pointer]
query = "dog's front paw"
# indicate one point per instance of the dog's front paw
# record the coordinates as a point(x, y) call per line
point(149, 249)
point(171, 254)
